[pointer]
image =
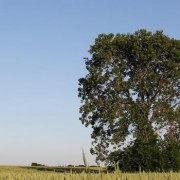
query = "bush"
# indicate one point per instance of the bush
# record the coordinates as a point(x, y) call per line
point(36, 164)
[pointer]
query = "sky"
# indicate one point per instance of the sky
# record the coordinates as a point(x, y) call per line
point(42, 45)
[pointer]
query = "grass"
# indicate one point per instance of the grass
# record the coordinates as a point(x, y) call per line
point(85, 160)
point(31, 173)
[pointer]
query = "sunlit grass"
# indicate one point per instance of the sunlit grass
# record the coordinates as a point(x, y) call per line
point(23, 173)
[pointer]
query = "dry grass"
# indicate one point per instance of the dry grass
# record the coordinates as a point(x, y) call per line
point(19, 173)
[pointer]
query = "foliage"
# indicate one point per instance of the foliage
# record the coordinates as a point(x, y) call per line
point(131, 91)
point(146, 157)
point(171, 156)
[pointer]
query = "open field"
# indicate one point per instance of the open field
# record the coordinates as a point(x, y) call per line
point(33, 173)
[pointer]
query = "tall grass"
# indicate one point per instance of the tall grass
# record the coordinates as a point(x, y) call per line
point(84, 160)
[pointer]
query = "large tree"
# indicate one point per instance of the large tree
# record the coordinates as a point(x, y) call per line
point(131, 91)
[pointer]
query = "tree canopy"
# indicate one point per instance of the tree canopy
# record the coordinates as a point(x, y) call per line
point(130, 95)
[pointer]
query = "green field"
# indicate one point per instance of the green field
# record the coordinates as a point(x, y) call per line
point(43, 173)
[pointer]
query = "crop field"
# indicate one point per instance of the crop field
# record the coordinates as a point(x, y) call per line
point(31, 173)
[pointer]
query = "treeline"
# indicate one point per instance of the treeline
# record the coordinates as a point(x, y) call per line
point(70, 165)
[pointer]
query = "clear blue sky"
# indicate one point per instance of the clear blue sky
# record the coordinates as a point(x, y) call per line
point(42, 45)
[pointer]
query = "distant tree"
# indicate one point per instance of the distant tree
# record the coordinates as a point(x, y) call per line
point(132, 91)
point(36, 164)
